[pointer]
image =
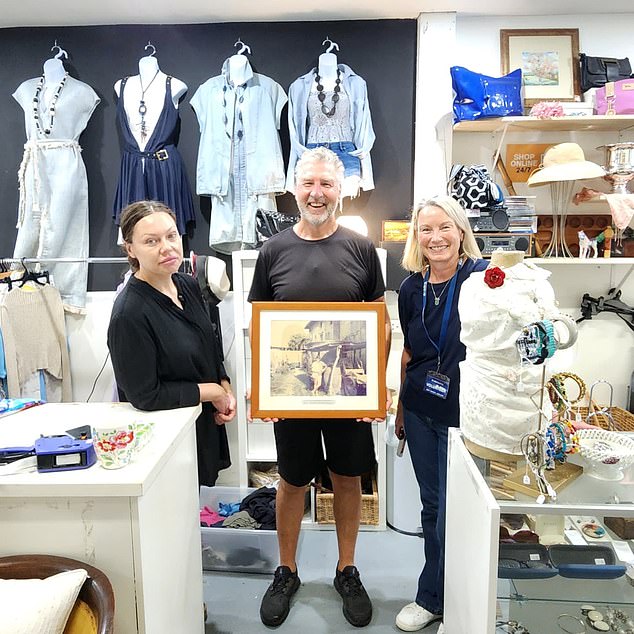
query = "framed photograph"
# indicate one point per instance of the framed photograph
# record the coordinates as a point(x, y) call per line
point(394, 230)
point(318, 360)
point(549, 59)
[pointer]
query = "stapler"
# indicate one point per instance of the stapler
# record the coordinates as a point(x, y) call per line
point(63, 453)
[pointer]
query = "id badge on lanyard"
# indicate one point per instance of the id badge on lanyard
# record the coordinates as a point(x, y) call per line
point(436, 383)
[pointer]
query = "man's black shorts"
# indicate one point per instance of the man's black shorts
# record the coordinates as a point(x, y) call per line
point(300, 457)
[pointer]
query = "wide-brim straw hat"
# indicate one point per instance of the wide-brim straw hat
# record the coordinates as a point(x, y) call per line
point(564, 162)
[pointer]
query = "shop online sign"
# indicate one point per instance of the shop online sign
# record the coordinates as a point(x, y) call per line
point(522, 159)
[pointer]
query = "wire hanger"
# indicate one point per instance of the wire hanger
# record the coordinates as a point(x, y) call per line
point(243, 48)
point(150, 45)
point(60, 51)
point(331, 45)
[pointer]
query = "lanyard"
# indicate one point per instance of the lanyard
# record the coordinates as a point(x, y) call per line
point(445, 317)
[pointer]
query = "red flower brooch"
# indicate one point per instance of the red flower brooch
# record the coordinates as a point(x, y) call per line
point(494, 277)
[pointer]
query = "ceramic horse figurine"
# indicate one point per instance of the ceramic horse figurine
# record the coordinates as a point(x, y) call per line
point(586, 244)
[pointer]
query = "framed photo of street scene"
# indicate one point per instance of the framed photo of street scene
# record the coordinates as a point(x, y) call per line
point(318, 360)
point(549, 59)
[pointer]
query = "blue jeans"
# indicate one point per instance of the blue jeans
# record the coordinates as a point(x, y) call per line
point(351, 164)
point(427, 442)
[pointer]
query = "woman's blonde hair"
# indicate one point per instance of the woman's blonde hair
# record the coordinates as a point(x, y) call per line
point(413, 258)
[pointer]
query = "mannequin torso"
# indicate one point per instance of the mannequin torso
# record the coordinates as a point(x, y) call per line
point(503, 259)
point(327, 70)
point(150, 86)
point(54, 71)
point(239, 70)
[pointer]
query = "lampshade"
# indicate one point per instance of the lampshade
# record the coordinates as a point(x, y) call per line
point(356, 223)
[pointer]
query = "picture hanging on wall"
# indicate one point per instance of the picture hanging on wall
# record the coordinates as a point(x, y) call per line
point(549, 60)
point(318, 360)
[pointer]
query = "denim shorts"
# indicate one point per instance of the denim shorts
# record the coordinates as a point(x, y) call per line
point(351, 164)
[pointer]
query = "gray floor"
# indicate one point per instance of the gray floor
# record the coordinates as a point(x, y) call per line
point(388, 561)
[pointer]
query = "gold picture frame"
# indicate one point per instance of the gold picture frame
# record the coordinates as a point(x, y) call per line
point(549, 60)
point(394, 230)
point(318, 360)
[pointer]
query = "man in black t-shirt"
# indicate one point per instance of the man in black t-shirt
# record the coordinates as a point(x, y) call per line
point(316, 260)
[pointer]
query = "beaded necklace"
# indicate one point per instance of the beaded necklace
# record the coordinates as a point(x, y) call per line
point(51, 109)
point(321, 95)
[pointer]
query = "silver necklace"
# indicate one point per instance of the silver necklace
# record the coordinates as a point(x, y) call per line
point(437, 297)
point(142, 106)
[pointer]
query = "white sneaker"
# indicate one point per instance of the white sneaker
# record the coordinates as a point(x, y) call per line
point(441, 629)
point(413, 618)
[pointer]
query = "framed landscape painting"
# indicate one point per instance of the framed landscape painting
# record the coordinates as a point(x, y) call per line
point(549, 60)
point(318, 360)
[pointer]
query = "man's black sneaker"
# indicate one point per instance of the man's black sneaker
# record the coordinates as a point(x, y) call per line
point(357, 607)
point(276, 601)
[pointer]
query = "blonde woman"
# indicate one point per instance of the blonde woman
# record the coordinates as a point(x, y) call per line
point(442, 252)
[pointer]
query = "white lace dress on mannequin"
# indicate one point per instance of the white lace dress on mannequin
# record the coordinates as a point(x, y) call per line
point(495, 389)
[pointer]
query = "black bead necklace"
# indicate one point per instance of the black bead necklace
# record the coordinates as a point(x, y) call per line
point(142, 106)
point(51, 109)
point(321, 95)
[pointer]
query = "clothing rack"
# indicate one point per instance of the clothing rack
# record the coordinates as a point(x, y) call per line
point(103, 260)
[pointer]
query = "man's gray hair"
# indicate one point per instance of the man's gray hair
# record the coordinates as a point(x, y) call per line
point(320, 154)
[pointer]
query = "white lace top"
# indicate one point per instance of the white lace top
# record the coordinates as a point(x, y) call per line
point(495, 389)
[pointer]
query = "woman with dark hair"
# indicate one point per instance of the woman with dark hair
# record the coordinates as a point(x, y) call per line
point(164, 351)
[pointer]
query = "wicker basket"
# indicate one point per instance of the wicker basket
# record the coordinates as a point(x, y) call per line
point(324, 506)
point(623, 420)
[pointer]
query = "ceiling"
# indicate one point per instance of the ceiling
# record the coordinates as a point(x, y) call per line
point(85, 12)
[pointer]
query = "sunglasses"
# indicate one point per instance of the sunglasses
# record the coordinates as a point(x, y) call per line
point(520, 537)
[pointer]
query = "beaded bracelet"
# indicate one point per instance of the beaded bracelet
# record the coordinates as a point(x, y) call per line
point(619, 621)
point(557, 390)
point(572, 442)
point(556, 441)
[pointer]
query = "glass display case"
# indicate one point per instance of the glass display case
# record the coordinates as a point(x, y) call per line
point(592, 574)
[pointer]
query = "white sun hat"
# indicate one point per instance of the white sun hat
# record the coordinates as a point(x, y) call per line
point(564, 162)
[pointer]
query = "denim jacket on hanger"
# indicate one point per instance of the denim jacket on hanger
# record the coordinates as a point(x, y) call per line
point(214, 105)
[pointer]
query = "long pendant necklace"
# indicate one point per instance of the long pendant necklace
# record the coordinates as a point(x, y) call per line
point(142, 106)
point(321, 95)
point(437, 297)
point(51, 109)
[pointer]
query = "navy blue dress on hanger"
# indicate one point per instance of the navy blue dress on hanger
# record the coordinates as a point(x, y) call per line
point(157, 172)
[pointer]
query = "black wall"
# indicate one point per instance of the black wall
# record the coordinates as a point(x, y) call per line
point(382, 52)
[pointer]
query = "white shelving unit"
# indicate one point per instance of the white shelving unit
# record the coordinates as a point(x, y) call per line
point(479, 142)
point(473, 594)
point(592, 123)
point(256, 442)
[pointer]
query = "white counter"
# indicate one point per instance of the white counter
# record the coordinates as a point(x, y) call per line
point(138, 524)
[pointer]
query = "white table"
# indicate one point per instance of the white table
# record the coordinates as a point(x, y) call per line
point(138, 524)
